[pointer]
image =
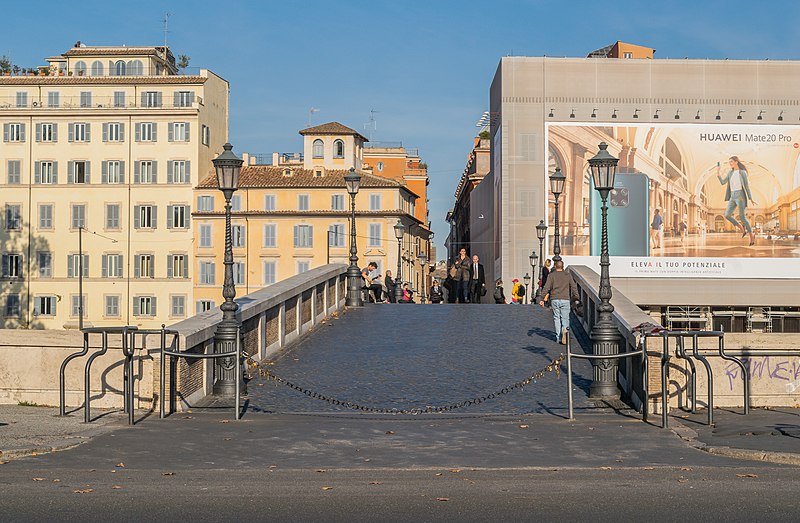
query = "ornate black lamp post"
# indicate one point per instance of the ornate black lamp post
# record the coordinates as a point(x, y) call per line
point(399, 231)
point(541, 233)
point(423, 260)
point(604, 335)
point(354, 281)
point(527, 280)
point(557, 180)
point(227, 166)
point(532, 258)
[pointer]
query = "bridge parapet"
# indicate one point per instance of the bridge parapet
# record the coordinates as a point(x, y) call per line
point(271, 319)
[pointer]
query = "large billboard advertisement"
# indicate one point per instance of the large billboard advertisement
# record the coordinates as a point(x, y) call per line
point(711, 201)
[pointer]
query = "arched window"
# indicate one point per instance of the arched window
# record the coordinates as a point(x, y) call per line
point(97, 68)
point(135, 68)
point(80, 68)
point(119, 68)
point(317, 149)
point(338, 149)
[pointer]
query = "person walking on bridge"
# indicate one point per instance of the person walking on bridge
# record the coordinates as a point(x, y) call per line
point(559, 289)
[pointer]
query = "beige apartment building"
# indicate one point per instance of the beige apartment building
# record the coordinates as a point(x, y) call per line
point(103, 149)
point(293, 215)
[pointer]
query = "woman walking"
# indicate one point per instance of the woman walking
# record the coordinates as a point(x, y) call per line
point(737, 194)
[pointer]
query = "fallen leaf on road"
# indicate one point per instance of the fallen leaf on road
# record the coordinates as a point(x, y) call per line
point(116, 487)
point(273, 466)
point(327, 488)
point(3, 462)
point(438, 474)
point(84, 491)
point(167, 473)
point(523, 426)
point(224, 421)
point(648, 468)
point(746, 475)
point(605, 468)
point(455, 471)
point(389, 432)
point(442, 499)
point(56, 481)
point(259, 385)
point(121, 465)
point(39, 479)
point(618, 460)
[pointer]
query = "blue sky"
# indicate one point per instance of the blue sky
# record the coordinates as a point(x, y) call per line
point(425, 67)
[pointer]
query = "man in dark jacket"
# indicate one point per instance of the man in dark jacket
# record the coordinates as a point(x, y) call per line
point(461, 264)
point(477, 280)
point(389, 283)
point(436, 292)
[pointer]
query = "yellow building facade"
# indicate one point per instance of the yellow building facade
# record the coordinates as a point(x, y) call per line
point(99, 158)
point(293, 216)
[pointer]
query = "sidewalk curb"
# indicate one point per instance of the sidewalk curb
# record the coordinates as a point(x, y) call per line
point(37, 451)
point(690, 436)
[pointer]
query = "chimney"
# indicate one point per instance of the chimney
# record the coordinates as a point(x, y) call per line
point(245, 159)
point(276, 159)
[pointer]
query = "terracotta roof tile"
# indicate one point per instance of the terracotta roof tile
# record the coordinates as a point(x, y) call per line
point(266, 176)
point(107, 51)
point(332, 128)
point(100, 80)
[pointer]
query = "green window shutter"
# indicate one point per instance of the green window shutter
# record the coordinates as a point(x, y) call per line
point(55, 172)
point(152, 267)
point(153, 306)
point(188, 214)
point(38, 132)
point(22, 132)
point(186, 133)
point(105, 266)
point(88, 170)
point(170, 167)
point(169, 266)
point(55, 132)
point(122, 171)
point(137, 260)
point(135, 305)
point(169, 216)
point(155, 217)
point(136, 164)
point(121, 259)
point(155, 131)
point(5, 132)
point(188, 177)
point(176, 99)
point(138, 132)
point(70, 266)
point(170, 132)
point(185, 266)
point(70, 171)
point(104, 171)
point(71, 132)
point(155, 171)
point(37, 170)
point(136, 216)
point(88, 131)
point(122, 132)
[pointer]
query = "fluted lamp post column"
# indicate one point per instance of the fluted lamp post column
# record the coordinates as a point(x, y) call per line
point(354, 281)
point(399, 232)
point(227, 166)
point(541, 233)
point(557, 180)
point(423, 260)
point(604, 334)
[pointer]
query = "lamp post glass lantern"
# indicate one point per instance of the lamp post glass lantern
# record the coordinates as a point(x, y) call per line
point(604, 334)
point(541, 233)
point(227, 166)
point(557, 181)
point(399, 232)
point(352, 181)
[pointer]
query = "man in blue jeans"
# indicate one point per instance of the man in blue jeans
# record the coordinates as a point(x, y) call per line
point(559, 289)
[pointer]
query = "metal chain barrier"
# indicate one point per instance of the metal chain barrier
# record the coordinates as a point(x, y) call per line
point(553, 366)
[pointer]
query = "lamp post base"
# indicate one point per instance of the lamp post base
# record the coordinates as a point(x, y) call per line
point(354, 284)
point(605, 341)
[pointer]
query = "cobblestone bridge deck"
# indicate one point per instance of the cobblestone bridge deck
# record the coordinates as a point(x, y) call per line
point(403, 357)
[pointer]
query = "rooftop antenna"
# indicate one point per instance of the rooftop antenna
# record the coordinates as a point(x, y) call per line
point(165, 21)
point(311, 115)
point(372, 125)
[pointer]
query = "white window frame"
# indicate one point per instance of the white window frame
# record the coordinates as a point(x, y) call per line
point(16, 132)
point(48, 132)
point(337, 202)
point(303, 236)
point(41, 301)
point(375, 202)
point(303, 202)
point(206, 237)
point(207, 273)
point(79, 132)
point(270, 202)
point(270, 271)
point(205, 203)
